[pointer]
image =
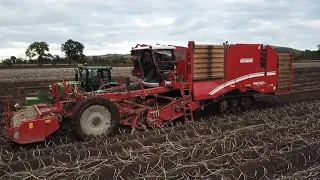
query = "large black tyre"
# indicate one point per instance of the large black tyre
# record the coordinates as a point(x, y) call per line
point(224, 107)
point(95, 117)
point(246, 103)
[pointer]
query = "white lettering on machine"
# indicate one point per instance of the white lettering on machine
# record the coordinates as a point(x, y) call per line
point(246, 60)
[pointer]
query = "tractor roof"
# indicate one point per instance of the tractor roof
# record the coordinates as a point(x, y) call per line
point(141, 47)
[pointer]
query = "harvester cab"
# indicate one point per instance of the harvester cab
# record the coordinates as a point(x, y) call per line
point(154, 63)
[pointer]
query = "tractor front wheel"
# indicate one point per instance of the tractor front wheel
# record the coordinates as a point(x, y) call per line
point(95, 117)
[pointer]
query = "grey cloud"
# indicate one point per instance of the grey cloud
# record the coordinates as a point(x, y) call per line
point(114, 26)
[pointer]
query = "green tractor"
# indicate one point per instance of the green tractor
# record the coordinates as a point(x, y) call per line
point(93, 78)
point(87, 78)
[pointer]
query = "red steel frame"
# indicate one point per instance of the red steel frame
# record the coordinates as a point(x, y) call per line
point(141, 115)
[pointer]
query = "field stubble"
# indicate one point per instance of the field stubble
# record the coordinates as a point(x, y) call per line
point(278, 140)
point(31, 75)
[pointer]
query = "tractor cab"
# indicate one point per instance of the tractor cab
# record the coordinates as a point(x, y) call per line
point(94, 78)
point(153, 63)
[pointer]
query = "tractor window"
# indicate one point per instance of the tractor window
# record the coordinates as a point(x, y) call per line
point(83, 74)
point(104, 74)
point(93, 75)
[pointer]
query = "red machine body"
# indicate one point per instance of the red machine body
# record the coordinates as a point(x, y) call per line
point(243, 71)
point(176, 82)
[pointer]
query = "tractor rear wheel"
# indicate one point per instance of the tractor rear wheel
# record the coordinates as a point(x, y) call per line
point(95, 117)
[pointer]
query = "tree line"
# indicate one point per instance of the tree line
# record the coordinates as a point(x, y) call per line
point(300, 55)
point(73, 51)
point(308, 54)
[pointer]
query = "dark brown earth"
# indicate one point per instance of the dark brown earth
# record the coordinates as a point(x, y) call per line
point(279, 139)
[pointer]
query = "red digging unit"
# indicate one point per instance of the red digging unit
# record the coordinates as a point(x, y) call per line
point(176, 82)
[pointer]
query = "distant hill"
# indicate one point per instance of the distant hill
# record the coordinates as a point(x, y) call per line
point(298, 54)
point(109, 56)
point(116, 55)
point(280, 49)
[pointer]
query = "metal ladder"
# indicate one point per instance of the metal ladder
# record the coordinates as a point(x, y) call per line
point(263, 56)
point(186, 99)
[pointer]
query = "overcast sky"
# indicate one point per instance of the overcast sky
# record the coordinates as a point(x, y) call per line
point(114, 26)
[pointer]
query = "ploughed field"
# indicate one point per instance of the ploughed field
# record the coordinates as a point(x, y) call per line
point(279, 139)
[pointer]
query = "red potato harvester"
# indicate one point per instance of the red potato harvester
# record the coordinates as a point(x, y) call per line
point(176, 82)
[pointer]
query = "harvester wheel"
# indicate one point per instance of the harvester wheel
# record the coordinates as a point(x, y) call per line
point(234, 103)
point(95, 117)
point(246, 103)
point(224, 107)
